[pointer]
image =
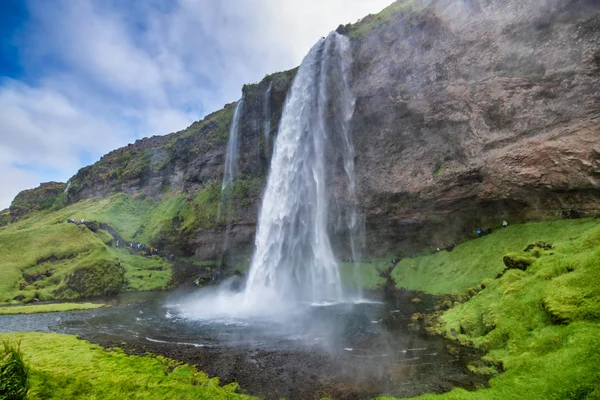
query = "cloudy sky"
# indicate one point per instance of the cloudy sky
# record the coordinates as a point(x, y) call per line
point(79, 78)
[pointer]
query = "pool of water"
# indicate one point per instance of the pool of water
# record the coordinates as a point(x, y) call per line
point(345, 350)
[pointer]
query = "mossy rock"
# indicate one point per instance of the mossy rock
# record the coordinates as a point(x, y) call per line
point(472, 323)
point(515, 261)
point(99, 278)
point(540, 245)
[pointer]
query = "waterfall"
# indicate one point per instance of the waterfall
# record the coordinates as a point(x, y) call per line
point(230, 173)
point(231, 156)
point(267, 111)
point(293, 257)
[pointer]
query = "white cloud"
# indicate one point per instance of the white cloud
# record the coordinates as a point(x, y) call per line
point(103, 73)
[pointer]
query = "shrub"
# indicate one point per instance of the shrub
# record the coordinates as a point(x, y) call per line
point(14, 383)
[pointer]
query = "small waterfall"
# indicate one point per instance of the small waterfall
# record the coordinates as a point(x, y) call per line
point(231, 157)
point(267, 112)
point(231, 172)
point(293, 258)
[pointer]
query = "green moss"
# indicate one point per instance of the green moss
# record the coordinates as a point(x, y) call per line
point(63, 367)
point(541, 324)
point(477, 260)
point(46, 308)
point(98, 275)
point(439, 171)
point(203, 211)
point(517, 261)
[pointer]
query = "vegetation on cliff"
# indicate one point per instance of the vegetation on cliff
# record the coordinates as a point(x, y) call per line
point(47, 196)
point(64, 367)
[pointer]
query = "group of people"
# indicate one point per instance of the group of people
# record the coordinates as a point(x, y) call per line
point(149, 251)
point(77, 222)
point(480, 232)
point(139, 247)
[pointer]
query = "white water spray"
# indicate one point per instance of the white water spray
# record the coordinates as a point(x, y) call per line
point(293, 259)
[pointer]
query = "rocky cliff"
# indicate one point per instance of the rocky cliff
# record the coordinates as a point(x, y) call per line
point(472, 112)
point(467, 113)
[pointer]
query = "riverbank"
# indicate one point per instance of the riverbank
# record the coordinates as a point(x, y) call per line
point(64, 367)
point(47, 308)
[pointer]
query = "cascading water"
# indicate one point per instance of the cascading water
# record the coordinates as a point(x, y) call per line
point(294, 259)
point(230, 173)
point(231, 156)
point(267, 112)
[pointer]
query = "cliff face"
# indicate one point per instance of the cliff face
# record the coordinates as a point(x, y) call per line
point(472, 112)
point(467, 113)
point(187, 161)
point(47, 196)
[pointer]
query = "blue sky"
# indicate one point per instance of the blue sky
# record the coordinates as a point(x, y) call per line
point(79, 78)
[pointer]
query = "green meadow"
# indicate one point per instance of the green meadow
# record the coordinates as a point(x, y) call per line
point(64, 367)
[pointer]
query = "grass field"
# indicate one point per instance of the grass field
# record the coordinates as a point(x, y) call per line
point(64, 367)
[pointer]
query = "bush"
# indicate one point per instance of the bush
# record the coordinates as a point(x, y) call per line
point(14, 383)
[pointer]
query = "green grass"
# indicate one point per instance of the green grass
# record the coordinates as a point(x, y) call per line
point(44, 258)
point(46, 308)
point(14, 373)
point(63, 367)
point(474, 261)
point(542, 325)
point(143, 273)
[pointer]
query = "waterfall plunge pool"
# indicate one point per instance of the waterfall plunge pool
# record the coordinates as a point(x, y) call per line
point(339, 350)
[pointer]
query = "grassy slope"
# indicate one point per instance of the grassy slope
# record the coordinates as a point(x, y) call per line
point(63, 367)
point(46, 308)
point(25, 244)
point(542, 324)
point(472, 262)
